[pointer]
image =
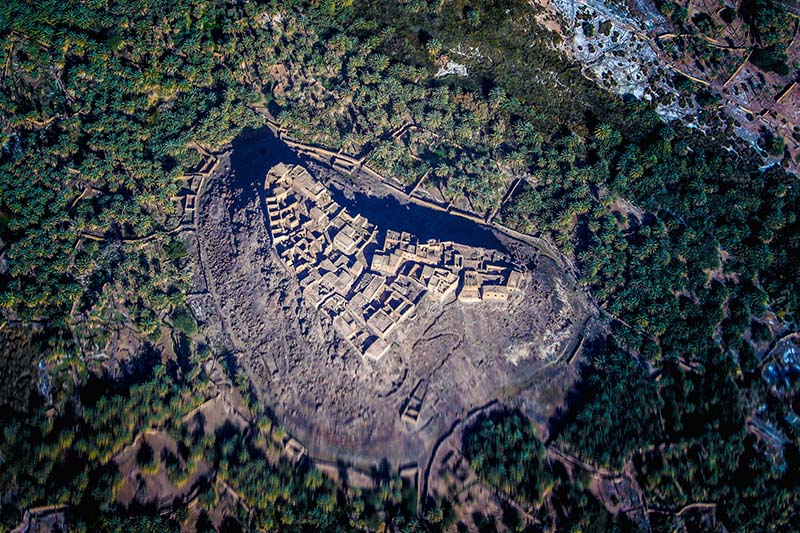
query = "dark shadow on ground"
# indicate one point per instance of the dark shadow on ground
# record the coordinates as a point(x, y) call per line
point(256, 151)
point(577, 396)
point(139, 369)
point(387, 212)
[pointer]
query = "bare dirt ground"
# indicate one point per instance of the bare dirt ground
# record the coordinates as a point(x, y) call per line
point(340, 406)
point(223, 407)
point(155, 488)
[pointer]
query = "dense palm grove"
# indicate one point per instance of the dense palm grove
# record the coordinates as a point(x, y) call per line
point(686, 245)
point(505, 452)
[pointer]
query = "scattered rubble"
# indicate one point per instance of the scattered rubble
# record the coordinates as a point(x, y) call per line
point(452, 69)
point(630, 48)
point(615, 50)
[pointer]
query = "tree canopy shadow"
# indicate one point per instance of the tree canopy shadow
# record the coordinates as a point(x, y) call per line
point(578, 395)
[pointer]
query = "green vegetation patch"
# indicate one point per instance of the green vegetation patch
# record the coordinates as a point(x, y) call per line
point(504, 451)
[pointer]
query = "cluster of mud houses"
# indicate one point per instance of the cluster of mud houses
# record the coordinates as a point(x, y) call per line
point(367, 293)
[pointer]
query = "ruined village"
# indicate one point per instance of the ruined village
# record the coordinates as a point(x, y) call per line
point(368, 292)
point(415, 334)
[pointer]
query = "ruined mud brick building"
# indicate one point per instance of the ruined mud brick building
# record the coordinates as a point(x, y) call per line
point(368, 293)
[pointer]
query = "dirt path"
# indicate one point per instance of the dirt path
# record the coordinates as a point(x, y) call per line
point(455, 428)
point(555, 453)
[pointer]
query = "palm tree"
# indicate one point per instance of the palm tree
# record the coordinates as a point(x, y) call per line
point(497, 97)
point(313, 479)
point(434, 48)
